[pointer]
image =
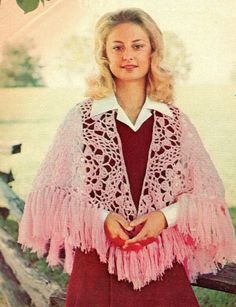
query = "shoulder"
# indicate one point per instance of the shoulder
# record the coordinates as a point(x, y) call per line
point(84, 102)
point(76, 109)
point(185, 123)
point(177, 110)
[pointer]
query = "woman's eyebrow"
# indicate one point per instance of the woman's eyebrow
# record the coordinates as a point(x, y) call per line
point(136, 40)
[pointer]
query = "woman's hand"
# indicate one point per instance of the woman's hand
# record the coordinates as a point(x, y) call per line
point(115, 226)
point(154, 222)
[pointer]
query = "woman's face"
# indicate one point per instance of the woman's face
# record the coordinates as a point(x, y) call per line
point(128, 50)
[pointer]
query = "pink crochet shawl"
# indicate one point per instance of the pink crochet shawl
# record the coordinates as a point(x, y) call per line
point(84, 171)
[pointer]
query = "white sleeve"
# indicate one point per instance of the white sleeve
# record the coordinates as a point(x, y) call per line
point(104, 214)
point(170, 213)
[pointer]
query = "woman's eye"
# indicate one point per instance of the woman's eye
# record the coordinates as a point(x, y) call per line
point(138, 46)
point(116, 48)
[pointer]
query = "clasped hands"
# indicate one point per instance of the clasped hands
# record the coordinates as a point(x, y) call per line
point(136, 234)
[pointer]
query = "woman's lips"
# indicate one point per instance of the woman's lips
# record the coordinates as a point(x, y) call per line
point(129, 66)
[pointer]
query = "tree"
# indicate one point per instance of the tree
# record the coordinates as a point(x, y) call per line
point(19, 68)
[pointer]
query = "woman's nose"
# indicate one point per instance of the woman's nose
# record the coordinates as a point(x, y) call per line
point(128, 53)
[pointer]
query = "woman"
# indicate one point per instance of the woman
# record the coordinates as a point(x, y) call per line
point(127, 187)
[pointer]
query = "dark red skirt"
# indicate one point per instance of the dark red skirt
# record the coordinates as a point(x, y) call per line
point(91, 285)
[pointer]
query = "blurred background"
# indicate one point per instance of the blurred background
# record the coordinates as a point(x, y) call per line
point(46, 54)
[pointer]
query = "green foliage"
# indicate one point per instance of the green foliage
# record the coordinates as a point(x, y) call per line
point(10, 226)
point(56, 274)
point(213, 298)
point(232, 212)
point(19, 68)
point(28, 5)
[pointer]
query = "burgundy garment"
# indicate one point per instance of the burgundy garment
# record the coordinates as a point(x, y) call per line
point(91, 285)
point(135, 147)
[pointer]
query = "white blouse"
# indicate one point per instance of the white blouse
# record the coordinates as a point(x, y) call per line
point(111, 103)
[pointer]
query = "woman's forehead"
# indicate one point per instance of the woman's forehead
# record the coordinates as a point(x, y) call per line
point(126, 31)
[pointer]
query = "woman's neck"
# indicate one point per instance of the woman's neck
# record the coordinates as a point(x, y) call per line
point(130, 95)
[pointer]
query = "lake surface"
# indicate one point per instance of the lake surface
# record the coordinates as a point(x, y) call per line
point(31, 115)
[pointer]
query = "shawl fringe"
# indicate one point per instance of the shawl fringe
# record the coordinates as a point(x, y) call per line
point(205, 247)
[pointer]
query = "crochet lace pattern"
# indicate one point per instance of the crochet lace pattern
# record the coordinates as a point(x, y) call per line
point(84, 172)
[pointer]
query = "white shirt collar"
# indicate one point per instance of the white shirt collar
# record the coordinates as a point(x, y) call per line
point(111, 103)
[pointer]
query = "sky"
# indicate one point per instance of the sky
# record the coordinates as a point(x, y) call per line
point(207, 29)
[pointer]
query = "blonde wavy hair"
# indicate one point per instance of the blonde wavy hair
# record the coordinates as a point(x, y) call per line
point(160, 80)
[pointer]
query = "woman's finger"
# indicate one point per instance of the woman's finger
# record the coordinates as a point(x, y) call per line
point(124, 223)
point(139, 220)
point(140, 236)
point(115, 239)
point(122, 234)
